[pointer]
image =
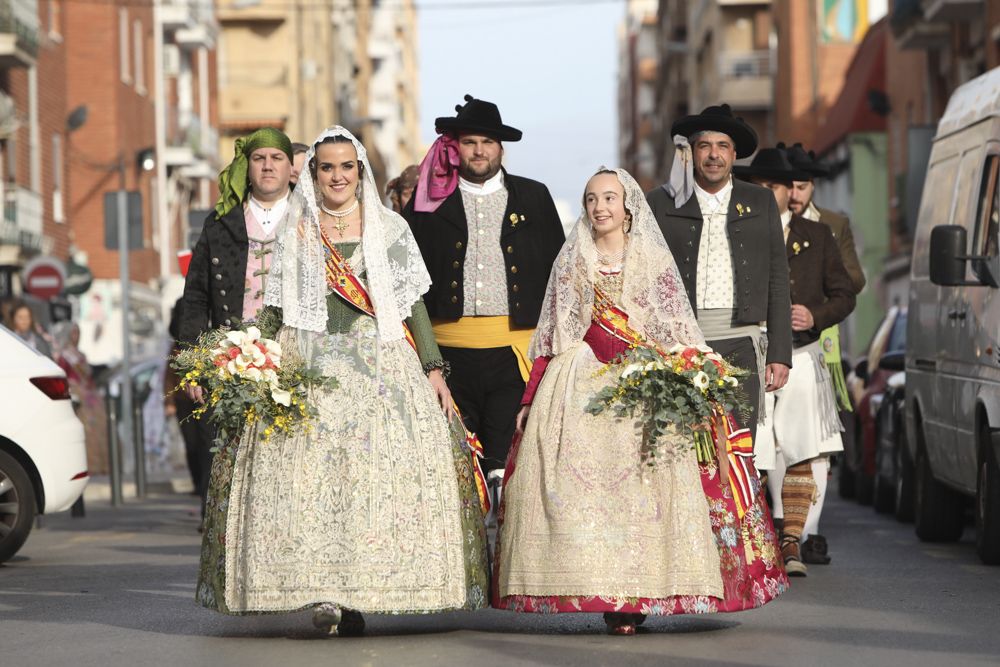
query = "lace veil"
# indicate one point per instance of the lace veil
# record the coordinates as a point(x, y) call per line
point(653, 294)
point(396, 274)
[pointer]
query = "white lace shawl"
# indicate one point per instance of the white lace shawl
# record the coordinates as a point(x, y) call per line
point(653, 293)
point(396, 274)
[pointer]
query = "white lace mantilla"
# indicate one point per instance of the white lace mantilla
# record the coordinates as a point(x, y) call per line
point(397, 276)
point(653, 293)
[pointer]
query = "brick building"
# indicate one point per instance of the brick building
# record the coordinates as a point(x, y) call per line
point(32, 152)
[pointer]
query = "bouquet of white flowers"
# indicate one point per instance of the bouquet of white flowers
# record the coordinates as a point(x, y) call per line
point(245, 383)
point(686, 388)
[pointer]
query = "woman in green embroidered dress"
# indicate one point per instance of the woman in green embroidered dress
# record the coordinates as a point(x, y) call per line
point(376, 508)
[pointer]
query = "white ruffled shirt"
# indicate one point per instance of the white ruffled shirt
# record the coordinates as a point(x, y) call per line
point(268, 218)
point(714, 287)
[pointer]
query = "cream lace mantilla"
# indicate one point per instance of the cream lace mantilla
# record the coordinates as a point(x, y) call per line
point(395, 270)
point(652, 293)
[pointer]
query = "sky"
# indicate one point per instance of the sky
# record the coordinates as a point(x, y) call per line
point(551, 68)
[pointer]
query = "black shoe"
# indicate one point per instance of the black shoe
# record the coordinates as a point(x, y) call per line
point(352, 624)
point(814, 550)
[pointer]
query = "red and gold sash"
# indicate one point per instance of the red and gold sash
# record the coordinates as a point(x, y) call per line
point(349, 287)
point(614, 320)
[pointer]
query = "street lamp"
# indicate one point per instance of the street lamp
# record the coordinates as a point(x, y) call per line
point(145, 159)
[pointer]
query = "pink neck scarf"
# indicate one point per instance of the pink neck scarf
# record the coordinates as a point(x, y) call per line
point(438, 174)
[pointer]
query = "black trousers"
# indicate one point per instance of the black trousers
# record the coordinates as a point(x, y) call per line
point(740, 352)
point(487, 387)
point(199, 439)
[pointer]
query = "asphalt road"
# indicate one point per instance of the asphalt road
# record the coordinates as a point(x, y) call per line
point(117, 587)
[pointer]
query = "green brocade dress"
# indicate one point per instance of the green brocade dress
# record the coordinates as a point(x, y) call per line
point(375, 509)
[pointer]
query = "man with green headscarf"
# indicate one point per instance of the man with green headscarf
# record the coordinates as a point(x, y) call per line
point(229, 265)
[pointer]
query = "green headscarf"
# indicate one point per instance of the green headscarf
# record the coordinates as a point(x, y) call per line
point(234, 180)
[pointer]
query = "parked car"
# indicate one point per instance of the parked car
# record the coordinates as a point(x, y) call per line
point(953, 341)
point(43, 457)
point(893, 480)
point(857, 468)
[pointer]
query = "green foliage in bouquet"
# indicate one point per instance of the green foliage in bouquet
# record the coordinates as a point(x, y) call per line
point(682, 389)
point(246, 382)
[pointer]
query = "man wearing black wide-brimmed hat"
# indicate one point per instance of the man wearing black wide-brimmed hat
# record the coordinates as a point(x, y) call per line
point(489, 239)
point(803, 427)
point(726, 238)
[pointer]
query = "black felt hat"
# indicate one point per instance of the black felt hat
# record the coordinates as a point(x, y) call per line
point(479, 117)
point(771, 163)
point(719, 119)
point(806, 161)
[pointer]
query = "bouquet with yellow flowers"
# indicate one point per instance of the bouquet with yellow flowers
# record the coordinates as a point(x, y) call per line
point(246, 383)
point(684, 388)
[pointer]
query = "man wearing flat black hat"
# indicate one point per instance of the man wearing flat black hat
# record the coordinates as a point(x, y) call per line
point(726, 238)
point(803, 427)
point(489, 239)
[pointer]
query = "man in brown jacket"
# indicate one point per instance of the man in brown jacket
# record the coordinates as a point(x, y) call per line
point(803, 428)
point(801, 203)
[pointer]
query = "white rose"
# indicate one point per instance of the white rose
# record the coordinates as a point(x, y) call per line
point(237, 338)
point(630, 369)
point(704, 349)
point(676, 349)
point(253, 333)
point(281, 396)
point(700, 380)
point(270, 376)
point(253, 374)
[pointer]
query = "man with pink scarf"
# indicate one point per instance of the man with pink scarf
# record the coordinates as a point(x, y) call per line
point(488, 239)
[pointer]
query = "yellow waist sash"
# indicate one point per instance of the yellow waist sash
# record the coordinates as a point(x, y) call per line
point(479, 333)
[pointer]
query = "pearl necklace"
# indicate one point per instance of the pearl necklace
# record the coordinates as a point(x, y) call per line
point(613, 259)
point(341, 224)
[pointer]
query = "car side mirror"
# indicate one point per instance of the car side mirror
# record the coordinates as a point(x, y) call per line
point(948, 258)
point(892, 361)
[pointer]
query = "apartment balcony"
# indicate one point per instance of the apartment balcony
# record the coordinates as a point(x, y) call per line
point(952, 10)
point(18, 33)
point(911, 28)
point(265, 11)
point(745, 80)
point(254, 93)
point(189, 142)
point(22, 218)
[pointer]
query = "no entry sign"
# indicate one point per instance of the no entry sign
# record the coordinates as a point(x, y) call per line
point(44, 277)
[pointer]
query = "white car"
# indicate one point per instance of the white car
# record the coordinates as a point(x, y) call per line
point(43, 456)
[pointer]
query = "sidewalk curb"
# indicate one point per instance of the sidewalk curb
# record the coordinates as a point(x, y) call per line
point(99, 487)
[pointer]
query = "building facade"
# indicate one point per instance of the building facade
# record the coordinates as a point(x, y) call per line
point(33, 167)
point(731, 59)
point(638, 61)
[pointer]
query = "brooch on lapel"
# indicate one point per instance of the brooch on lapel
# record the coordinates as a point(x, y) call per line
point(740, 208)
point(797, 248)
point(515, 218)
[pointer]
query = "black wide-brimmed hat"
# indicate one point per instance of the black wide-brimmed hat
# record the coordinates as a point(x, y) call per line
point(806, 161)
point(480, 117)
point(719, 119)
point(771, 163)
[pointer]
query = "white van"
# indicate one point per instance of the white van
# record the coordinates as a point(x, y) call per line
point(953, 332)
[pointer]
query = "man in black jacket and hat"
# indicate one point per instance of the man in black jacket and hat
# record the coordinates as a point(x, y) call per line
point(489, 239)
point(726, 239)
point(803, 428)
